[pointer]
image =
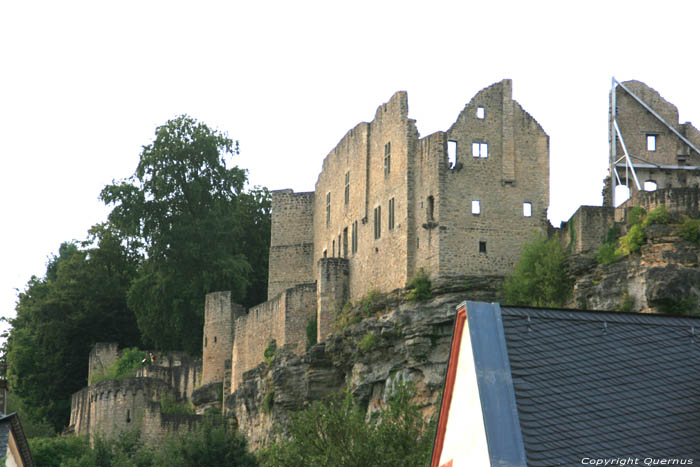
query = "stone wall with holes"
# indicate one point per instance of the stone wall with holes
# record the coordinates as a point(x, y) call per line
point(660, 155)
point(497, 194)
point(282, 319)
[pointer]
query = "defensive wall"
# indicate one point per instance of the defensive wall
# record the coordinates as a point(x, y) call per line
point(283, 319)
point(112, 406)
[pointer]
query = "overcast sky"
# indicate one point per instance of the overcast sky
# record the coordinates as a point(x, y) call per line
point(83, 86)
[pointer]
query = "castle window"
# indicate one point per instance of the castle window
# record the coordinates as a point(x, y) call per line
point(650, 185)
point(339, 252)
point(354, 237)
point(431, 208)
point(215, 339)
point(328, 209)
point(480, 113)
point(391, 214)
point(482, 247)
point(476, 207)
point(480, 150)
point(128, 416)
point(377, 222)
point(452, 154)
point(333, 250)
point(205, 341)
point(347, 187)
point(527, 209)
point(345, 242)
point(651, 142)
point(387, 159)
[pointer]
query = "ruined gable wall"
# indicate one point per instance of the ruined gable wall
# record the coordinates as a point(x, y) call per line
point(179, 370)
point(102, 356)
point(516, 171)
point(378, 263)
point(291, 241)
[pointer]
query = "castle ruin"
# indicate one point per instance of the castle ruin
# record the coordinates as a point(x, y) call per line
point(456, 204)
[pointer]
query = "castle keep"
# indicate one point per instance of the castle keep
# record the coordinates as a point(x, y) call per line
point(388, 204)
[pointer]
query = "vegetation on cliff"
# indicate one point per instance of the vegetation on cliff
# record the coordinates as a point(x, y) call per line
point(334, 432)
point(541, 277)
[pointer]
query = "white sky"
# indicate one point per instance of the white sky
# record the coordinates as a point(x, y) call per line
point(83, 86)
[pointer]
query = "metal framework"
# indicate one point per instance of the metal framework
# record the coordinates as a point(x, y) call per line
point(625, 161)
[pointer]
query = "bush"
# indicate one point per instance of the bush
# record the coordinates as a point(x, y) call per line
point(690, 229)
point(419, 287)
point(368, 343)
point(658, 215)
point(334, 432)
point(311, 335)
point(369, 301)
point(169, 405)
point(270, 352)
point(129, 361)
point(541, 277)
point(627, 304)
point(607, 253)
point(632, 241)
point(268, 402)
point(635, 216)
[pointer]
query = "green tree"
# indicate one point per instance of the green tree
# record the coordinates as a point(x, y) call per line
point(200, 232)
point(334, 433)
point(541, 277)
point(79, 301)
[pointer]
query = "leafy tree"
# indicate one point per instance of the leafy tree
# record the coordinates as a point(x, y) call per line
point(541, 277)
point(79, 301)
point(200, 232)
point(335, 433)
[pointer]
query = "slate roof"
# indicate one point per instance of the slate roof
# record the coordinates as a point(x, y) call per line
point(10, 423)
point(604, 384)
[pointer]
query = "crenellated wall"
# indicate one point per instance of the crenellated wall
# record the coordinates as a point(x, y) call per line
point(112, 406)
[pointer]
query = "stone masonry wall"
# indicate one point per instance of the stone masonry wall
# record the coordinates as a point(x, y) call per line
point(670, 163)
point(373, 159)
point(282, 319)
point(179, 370)
point(587, 228)
point(291, 241)
point(217, 342)
point(677, 200)
point(333, 291)
point(102, 356)
point(515, 172)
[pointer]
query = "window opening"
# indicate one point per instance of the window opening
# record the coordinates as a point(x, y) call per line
point(476, 207)
point(347, 187)
point(345, 242)
point(215, 339)
point(651, 142)
point(354, 237)
point(328, 209)
point(333, 250)
point(339, 252)
point(480, 113)
point(128, 416)
point(452, 154)
point(482, 247)
point(325, 253)
point(377, 222)
point(431, 206)
point(480, 150)
point(387, 159)
point(527, 209)
point(205, 341)
point(650, 185)
point(391, 214)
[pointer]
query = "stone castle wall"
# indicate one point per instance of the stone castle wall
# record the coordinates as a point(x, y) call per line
point(179, 370)
point(112, 406)
point(282, 319)
point(291, 241)
point(217, 342)
point(102, 356)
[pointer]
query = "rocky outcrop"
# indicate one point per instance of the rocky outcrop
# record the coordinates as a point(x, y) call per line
point(663, 277)
point(399, 342)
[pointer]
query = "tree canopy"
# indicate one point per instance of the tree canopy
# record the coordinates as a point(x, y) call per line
point(199, 231)
point(81, 300)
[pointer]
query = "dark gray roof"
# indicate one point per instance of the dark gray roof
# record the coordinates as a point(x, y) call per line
point(10, 423)
point(604, 384)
